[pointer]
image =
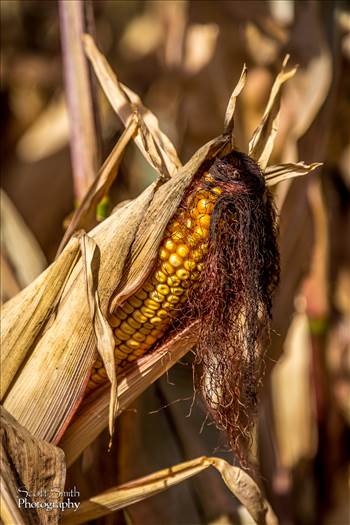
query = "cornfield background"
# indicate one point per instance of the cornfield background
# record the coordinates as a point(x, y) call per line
point(61, 119)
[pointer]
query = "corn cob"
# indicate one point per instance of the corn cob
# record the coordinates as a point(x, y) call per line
point(144, 318)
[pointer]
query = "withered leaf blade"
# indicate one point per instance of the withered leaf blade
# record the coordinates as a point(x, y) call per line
point(103, 332)
point(155, 146)
point(61, 360)
point(231, 106)
point(24, 317)
point(280, 172)
point(92, 417)
point(262, 141)
point(239, 482)
point(33, 466)
point(246, 490)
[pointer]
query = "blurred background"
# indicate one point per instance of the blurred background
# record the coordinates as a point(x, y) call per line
point(183, 58)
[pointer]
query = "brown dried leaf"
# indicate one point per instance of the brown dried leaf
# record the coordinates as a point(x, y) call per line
point(24, 317)
point(231, 106)
point(155, 146)
point(262, 141)
point(32, 465)
point(246, 490)
point(240, 484)
point(103, 332)
point(280, 172)
point(63, 355)
point(92, 417)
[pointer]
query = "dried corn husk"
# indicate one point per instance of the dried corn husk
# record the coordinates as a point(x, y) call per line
point(238, 481)
point(65, 308)
point(31, 465)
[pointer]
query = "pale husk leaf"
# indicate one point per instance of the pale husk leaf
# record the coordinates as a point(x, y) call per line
point(280, 172)
point(240, 484)
point(231, 106)
point(262, 141)
point(102, 329)
point(63, 356)
point(92, 417)
point(24, 317)
point(155, 146)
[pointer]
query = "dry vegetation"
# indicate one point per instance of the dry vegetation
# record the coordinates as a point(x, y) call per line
point(76, 242)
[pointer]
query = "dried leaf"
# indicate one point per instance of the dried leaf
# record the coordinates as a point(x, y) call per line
point(280, 172)
point(63, 355)
point(240, 484)
point(61, 361)
point(32, 465)
point(154, 145)
point(246, 490)
point(92, 417)
point(84, 216)
point(24, 317)
point(262, 141)
point(231, 106)
point(103, 332)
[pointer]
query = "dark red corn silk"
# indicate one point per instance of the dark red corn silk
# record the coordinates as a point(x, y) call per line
point(233, 299)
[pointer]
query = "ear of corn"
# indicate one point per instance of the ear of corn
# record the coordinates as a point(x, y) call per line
point(144, 318)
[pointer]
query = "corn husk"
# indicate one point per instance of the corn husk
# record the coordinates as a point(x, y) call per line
point(31, 465)
point(238, 481)
point(53, 327)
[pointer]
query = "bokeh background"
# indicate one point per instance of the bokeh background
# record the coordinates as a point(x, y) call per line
point(183, 58)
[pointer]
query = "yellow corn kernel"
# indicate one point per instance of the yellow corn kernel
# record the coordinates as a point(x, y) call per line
point(173, 280)
point(170, 245)
point(157, 297)
point(122, 315)
point(127, 308)
point(167, 268)
point(137, 315)
point(163, 289)
point(139, 337)
point(163, 314)
point(135, 302)
point(183, 250)
point(172, 299)
point(126, 328)
point(190, 265)
point(160, 276)
point(133, 344)
point(182, 274)
point(151, 304)
point(121, 335)
point(204, 221)
point(147, 312)
point(175, 260)
point(141, 294)
point(176, 291)
point(163, 254)
point(114, 321)
point(156, 321)
point(133, 323)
